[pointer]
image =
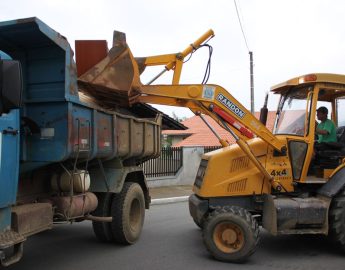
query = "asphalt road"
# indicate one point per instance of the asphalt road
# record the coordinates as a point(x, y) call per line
point(170, 240)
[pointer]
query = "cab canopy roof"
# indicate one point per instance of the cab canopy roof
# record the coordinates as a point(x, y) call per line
point(332, 82)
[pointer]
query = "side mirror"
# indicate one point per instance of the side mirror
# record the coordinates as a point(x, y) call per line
point(11, 85)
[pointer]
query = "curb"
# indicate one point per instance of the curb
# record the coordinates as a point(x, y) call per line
point(169, 200)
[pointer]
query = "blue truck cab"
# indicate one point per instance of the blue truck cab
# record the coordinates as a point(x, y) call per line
point(63, 159)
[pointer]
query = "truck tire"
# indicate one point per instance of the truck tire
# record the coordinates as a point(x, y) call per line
point(102, 230)
point(337, 219)
point(231, 234)
point(128, 212)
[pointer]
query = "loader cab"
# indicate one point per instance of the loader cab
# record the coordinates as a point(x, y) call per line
point(296, 121)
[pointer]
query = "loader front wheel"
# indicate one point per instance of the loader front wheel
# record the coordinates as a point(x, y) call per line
point(337, 219)
point(231, 234)
point(128, 212)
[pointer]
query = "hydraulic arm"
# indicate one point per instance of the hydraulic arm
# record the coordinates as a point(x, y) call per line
point(209, 99)
point(214, 101)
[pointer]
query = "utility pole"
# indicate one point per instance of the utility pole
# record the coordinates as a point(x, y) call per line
point(251, 83)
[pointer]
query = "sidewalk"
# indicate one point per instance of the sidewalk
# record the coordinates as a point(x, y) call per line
point(170, 194)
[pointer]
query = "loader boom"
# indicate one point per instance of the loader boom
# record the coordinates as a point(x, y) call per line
point(214, 101)
point(209, 99)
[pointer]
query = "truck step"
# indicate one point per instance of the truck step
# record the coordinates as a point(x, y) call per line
point(10, 238)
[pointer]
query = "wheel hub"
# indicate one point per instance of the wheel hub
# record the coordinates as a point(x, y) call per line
point(228, 237)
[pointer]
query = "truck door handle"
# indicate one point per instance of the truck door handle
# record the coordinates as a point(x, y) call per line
point(13, 132)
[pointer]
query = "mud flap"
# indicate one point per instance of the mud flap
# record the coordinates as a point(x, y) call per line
point(269, 218)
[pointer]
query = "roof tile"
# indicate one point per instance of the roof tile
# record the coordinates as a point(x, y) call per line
point(201, 135)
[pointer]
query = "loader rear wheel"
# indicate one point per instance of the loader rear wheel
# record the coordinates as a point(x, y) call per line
point(231, 234)
point(102, 230)
point(337, 219)
point(128, 212)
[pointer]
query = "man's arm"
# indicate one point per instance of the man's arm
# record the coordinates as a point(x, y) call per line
point(322, 131)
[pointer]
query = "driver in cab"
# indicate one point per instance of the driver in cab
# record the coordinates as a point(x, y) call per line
point(326, 129)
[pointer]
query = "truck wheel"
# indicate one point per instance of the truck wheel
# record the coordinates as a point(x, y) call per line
point(102, 230)
point(128, 212)
point(230, 234)
point(337, 219)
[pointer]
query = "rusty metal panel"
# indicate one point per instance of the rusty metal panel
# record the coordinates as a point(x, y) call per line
point(136, 138)
point(81, 132)
point(88, 53)
point(104, 134)
point(122, 135)
point(32, 218)
point(149, 140)
point(114, 80)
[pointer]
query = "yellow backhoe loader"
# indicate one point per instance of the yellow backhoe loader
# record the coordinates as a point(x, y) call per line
point(276, 180)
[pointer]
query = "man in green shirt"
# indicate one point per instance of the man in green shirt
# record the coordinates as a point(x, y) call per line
point(326, 130)
point(326, 133)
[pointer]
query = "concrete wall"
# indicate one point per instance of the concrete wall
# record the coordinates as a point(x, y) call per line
point(186, 175)
point(176, 139)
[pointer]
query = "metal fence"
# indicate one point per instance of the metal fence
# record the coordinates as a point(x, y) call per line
point(211, 148)
point(167, 164)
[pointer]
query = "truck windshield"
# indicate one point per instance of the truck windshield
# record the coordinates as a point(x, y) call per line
point(292, 111)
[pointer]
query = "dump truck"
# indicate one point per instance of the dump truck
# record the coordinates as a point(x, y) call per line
point(277, 180)
point(63, 158)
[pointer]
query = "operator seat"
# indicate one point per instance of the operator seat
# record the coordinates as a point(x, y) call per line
point(330, 157)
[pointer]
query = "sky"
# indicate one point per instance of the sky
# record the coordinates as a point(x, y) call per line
point(288, 38)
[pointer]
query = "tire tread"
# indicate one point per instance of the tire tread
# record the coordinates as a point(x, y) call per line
point(337, 219)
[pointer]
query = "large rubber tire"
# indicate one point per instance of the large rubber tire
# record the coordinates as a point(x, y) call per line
point(230, 234)
point(128, 212)
point(102, 230)
point(337, 219)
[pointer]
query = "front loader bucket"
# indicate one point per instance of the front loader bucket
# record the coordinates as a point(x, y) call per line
point(114, 80)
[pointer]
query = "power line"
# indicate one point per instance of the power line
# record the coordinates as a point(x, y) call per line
point(251, 62)
point(239, 20)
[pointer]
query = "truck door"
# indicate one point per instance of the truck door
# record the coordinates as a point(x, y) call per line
point(9, 164)
point(10, 102)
